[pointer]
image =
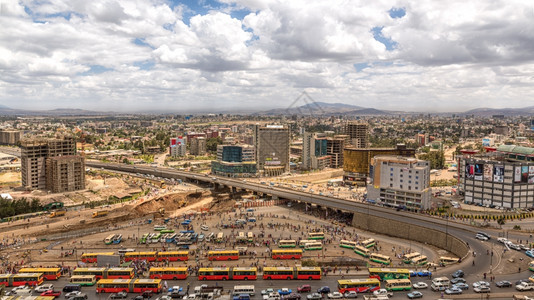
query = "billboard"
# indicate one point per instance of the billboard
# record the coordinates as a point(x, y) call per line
point(524, 174)
point(488, 172)
point(517, 174)
point(469, 171)
point(479, 170)
point(498, 174)
point(531, 174)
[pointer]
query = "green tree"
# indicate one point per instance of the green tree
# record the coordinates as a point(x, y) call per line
point(212, 143)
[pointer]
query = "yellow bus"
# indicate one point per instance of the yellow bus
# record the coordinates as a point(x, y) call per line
point(21, 279)
point(420, 260)
point(379, 258)
point(362, 251)
point(48, 273)
point(407, 258)
point(444, 260)
point(316, 235)
point(287, 244)
point(92, 257)
point(398, 285)
point(369, 243)
point(365, 285)
point(83, 279)
point(347, 244)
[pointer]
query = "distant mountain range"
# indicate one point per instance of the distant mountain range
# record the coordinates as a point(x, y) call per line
point(323, 108)
point(525, 111)
point(4, 110)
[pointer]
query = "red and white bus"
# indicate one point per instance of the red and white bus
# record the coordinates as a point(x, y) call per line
point(48, 273)
point(106, 273)
point(128, 285)
point(285, 273)
point(173, 256)
point(22, 279)
point(365, 285)
point(93, 257)
point(223, 255)
point(286, 253)
point(168, 273)
point(148, 256)
point(235, 273)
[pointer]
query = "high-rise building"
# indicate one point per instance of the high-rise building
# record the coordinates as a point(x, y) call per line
point(272, 149)
point(34, 158)
point(234, 161)
point(358, 133)
point(400, 182)
point(65, 173)
point(10, 137)
point(198, 146)
point(334, 148)
point(177, 147)
point(314, 151)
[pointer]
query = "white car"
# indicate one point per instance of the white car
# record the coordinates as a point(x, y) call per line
point(420, 285)
point(502, 240)
point(44, 287)
point(335, 295)
point(350, 294)
point(72, 294)
point(481, 237)
point(383, 292)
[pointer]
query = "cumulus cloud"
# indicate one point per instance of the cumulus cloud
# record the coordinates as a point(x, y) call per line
point(136, 54)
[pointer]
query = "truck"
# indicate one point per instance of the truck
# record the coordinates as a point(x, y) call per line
point(525, 286)
point(100, 213)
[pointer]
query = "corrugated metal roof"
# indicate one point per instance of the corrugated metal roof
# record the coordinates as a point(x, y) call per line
point(516, 149)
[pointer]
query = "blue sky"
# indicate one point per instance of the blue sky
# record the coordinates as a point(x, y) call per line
point(139, 55)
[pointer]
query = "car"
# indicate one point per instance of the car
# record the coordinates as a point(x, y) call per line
point(482, 289)
point(503, 283)
point(177, 294)
point(420, 285)
point(415, 294)
point(138, 297)
point(314, 296)
point(530, 253)
point(461, 285)
point(481, 237)
point(385, 292)
point(267, 291)
point(304, 288)
point(514, 246)
point(292, 296)
point(350, 294)
point(453, 291)
point(72, 294)
point(81, 296)
point(424, 273)
point(502, 240)
point(480, 283)
point(273, 296)
point(413, 273)
point(165, 297)
point(457, 280)
point(284, 291)
point(52, 293)
point(119, 295)
point(335, 295)
point(458, 273)
point(523, 247)
point(147, 294)
point(44, 288)
point(323, 290)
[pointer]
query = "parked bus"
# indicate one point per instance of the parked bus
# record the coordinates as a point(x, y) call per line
point(387, 273)
point(347, 244)
point(102, 213)
point(223, 255)
point(420, 260)
point(369, 243)
point(168, 273)
point(286, 254)
point(448, 260)
point(173, 256)
point(226, 273)
point(287, 244)
point(316, 235)
point(144, 238)
point(57, 213)
point(398, 285)
point(243, 289)
point(48, 273)
point(250, 237)
point(128, 285)
point(531, 266)
point(313, 246)
point(106, 273)
point(366, 285)
point(379, 258)
point(407, 258)
point(83, 279)
point(285, 273)
point(109, 239)
point(122, 252)
point(362, 251)
point(117, 239)
point(220, 237)
point(93, 257)
point(303, 243)
point(160, 227)
point(241, 236)
point(148, 256)
point(22, 279)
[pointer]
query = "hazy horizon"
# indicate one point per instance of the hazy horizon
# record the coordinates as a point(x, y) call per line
point(135, 56)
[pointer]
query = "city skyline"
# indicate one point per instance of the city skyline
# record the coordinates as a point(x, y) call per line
point(129, 56)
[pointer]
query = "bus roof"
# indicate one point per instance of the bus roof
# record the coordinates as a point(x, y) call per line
point(360, 280)
point(277, 269)
point(397, 280)
point(120, 269)
point(286, 250)
point(309, 268)
point(114, 281)
point(89, 269)
point(173, 252)
point(82, 276)
point(141, 253)
point(287, 241)
point(390, 270)
point(223, 251)
point(145, 280)
point(369, 240)
point(152, 269)
point(98, 253)
point(215, 269)
point(26, 274)
point(245, 269)
point(38, 270)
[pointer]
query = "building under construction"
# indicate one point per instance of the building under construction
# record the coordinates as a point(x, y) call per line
point(358, 133)
point(52, 164)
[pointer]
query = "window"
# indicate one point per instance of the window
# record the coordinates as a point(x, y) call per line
point(416, 177)
point(409, 187)
point(410, 176)
point(391, 169)
point(416, 188)
point(401, 186)
point(409, 181)
point(391, 185)
point(401, 180)
point(417, 182)
point(401, 175)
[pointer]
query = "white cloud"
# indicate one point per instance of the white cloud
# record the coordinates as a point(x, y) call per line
point(137, 54)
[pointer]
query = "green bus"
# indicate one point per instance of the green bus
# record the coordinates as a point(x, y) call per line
point(316, 236)
point(347, 244)
point(167, 231)
point(420, 260)
point(143, 238)
point(398, 285)
point(287, 244)
point(369, 243)
point(407, 258)
point(313, 246)
point(379, 258)
point(362, 251)
point(387, 273)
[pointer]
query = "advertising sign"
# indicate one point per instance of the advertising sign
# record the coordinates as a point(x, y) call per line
point(531, 174)
point(488, 172)
point(517, 174)
point(479, 170)
point(469, 171)
point(524, 174)
point(498, 174)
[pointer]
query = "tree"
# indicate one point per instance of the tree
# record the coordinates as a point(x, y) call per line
point(212, 143)
point(436, 159)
